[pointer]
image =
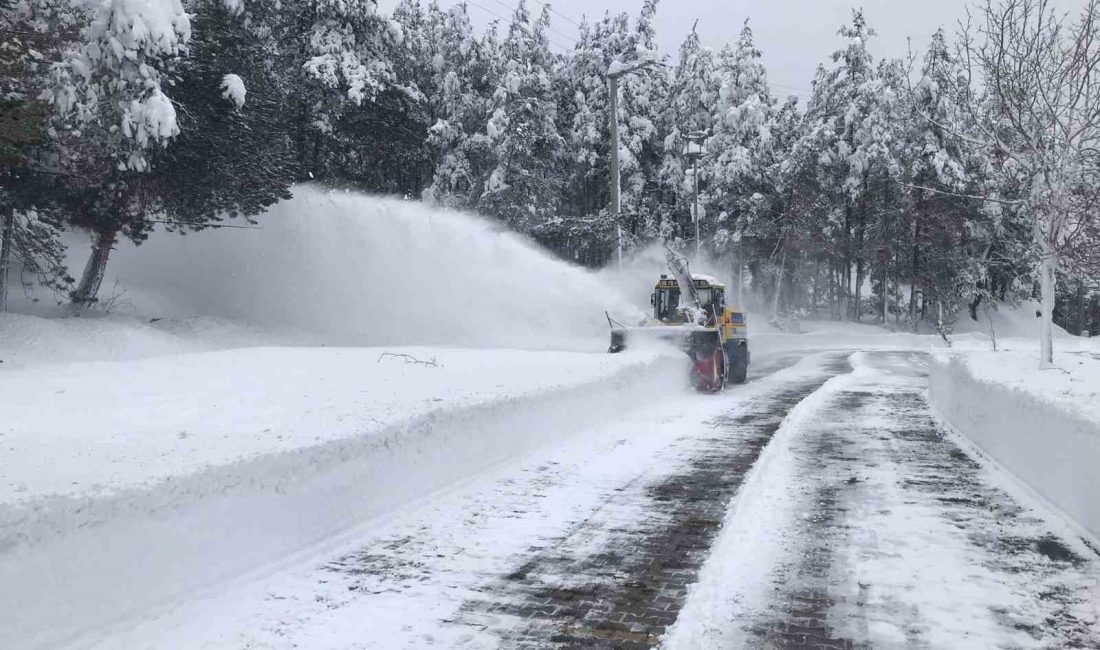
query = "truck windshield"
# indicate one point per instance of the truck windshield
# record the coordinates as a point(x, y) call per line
point(668, 302)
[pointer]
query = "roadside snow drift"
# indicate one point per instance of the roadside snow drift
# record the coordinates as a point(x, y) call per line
point(145, 481)
point(1043, 426)
point(180, 442)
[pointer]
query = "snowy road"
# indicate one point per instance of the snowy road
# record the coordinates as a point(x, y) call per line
point(818, 506)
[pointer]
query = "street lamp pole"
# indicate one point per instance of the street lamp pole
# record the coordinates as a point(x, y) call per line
point(694, 150)
point(695, 210)
point(613, 73)
point(616, 205)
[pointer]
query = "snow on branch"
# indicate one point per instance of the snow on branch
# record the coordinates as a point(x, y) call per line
point(117, 72)
point(233, 89)
point(409, 359)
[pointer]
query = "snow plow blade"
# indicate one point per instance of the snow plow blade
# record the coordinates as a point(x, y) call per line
point(693, 340)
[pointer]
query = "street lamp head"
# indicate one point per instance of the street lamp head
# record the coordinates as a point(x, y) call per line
point(618, 68)
point(696, 145)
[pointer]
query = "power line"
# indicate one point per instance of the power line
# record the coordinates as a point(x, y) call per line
point(548, 27)
point(506, 20)
point(558, 13)
point(485, 9)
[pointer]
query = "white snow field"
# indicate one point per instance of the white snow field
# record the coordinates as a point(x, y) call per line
point(143, 481)
point(205, 427)
point(434, 554)
point(175, 472)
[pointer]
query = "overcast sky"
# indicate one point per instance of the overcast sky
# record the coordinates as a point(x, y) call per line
point(794, 35)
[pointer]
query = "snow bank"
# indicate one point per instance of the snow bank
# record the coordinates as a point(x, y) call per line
point(1008, 321)
point(1043, 426)
point(33, 341)
point(128, 485)
point(363, 270)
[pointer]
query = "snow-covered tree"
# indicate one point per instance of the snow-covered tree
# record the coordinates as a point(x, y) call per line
point(741, 149)
point(643, 97)
point(233, 155)
point(1042, 129)
point(115, 77)
point(35, 36)
point(525, 186)
point(840, 129)
point(694, 93)
point(588, 131)
point(457, 72)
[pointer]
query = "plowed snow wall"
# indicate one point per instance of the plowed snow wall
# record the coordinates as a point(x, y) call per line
point(1053, 451)
point(77, 565)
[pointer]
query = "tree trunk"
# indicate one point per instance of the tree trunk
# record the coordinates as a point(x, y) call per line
point(846, 293)
point(913, 278)
point(94, 270)
point(860, 231)
point(1080, 325)
point(7, 234)
point(885, 296)
point(974, 304)
point(778, 286)
point(1047, 269)
point(814, 288)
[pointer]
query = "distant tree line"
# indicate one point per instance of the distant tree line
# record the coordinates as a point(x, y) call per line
point(898, 190)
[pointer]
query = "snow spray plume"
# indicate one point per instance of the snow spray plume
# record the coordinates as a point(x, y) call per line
point(641, 268)
point(371, 271)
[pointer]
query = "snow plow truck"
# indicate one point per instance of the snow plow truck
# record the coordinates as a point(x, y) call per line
point(690, 311)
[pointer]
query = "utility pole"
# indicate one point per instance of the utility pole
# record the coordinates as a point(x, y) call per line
point(616, 205)
point(695, 208)
point(615, 71)
point(694, 151)
point(740, 274)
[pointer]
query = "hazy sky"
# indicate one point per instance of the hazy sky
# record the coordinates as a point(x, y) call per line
point(794, 35)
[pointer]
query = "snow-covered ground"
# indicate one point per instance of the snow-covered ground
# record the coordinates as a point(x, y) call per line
point(209, 426)
point(213, 439)
point(399, 581)
point(93, 429)
point(1042, 425)
point(865, 525)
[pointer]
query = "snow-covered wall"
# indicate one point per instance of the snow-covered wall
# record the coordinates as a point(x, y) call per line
point(1050, 446)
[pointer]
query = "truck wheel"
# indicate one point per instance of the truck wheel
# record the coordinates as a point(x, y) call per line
point(738, 369)
point(739, 372)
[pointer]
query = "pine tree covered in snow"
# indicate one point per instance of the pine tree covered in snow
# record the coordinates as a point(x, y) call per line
point(740, 151)
point(233, 155)
point(840, 130)
point(693, 94)
point(456, 72)
point(916, 182)
point(36, 35)
point(524, 188)
point(643, 98)
point(109, 102)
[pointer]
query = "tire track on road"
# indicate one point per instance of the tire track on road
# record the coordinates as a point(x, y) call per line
point(625, 591)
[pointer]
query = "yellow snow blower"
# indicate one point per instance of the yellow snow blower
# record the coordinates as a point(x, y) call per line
point(690, 311)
